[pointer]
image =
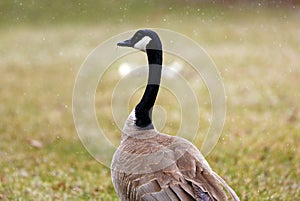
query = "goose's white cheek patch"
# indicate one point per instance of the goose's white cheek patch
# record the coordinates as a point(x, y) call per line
point(142, 44)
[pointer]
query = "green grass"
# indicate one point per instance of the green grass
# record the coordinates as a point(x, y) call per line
point(258, 57)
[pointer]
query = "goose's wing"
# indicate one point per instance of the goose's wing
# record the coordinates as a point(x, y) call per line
point(199, 175)
point(169, 170)
point(193, 174)
point(196, 170)
point(172, 185)
point(164, 185)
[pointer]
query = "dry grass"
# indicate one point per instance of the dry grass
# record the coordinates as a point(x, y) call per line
point(258, 153)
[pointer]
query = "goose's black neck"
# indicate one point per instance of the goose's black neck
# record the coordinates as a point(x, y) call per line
point(143, 111)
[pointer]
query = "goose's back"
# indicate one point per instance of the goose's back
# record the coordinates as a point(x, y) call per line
point(162, 167)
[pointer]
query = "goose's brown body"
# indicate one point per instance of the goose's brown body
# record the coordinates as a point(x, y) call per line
point(150, 166)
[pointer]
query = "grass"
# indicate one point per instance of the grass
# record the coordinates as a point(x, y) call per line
point(257, 56)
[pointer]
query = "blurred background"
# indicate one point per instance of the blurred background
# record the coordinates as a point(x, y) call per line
point(255, 45)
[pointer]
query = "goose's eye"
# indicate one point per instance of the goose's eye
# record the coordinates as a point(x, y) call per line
point(137, 36)
point(134, 38)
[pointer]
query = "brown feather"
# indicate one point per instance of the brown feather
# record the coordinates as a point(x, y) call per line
point(155, 166)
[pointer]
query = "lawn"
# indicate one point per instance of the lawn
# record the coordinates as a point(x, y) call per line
point(255, 49)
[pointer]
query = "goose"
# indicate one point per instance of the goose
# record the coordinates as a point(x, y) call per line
point(151, 166)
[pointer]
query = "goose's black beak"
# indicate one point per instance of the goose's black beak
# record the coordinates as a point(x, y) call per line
point(126, 43)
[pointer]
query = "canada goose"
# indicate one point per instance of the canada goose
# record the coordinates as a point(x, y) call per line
point(149, 165)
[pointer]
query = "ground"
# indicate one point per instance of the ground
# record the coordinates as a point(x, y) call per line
point(257, 55)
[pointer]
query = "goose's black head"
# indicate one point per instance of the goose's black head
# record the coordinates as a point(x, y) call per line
point(143, 40)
